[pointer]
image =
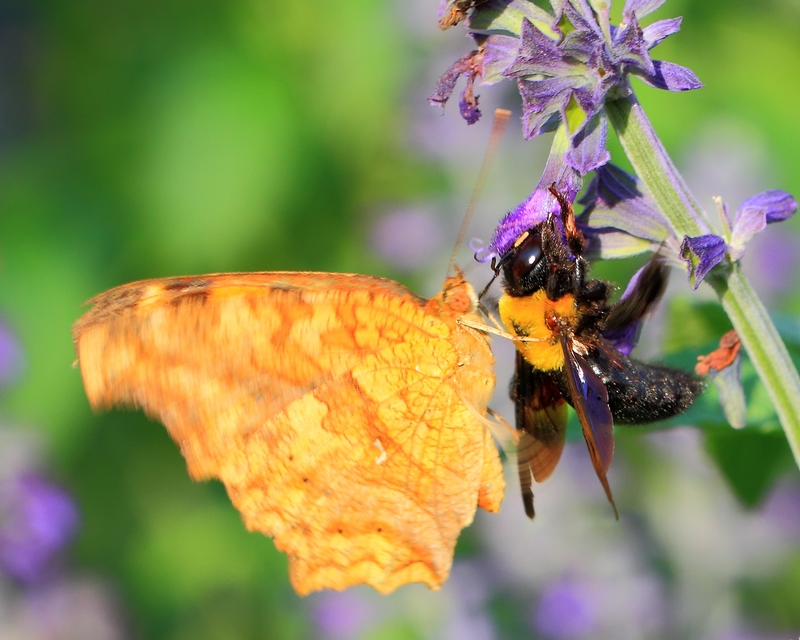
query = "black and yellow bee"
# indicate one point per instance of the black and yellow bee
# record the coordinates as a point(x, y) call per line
point(570, 355)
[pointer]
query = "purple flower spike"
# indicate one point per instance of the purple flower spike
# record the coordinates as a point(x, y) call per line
point(702, 254)
point(36, 521)
point(566, 66)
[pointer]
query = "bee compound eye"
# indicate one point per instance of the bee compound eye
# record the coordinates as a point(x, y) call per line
point(528, 255)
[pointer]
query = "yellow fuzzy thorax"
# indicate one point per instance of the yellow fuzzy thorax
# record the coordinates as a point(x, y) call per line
point(526, 316)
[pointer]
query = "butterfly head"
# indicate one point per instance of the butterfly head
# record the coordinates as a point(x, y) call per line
point(458, 295)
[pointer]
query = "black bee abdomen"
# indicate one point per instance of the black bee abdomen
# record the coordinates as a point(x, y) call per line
point(642, 393)
point(639, 393)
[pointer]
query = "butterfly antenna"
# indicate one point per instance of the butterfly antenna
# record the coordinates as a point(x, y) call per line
point(501, 117)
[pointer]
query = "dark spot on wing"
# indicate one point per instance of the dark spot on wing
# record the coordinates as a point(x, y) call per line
point(185, 289)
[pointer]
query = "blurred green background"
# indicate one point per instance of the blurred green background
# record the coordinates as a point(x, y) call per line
point(142, 139)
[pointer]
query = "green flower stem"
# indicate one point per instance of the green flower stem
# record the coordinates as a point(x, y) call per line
point(748, 315)
point(655, 168)
point(559, 146)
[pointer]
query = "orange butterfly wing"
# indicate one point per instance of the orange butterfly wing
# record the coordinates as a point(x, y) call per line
point(340, 411)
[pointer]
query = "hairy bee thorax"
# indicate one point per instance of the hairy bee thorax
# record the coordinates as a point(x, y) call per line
point(536, 316)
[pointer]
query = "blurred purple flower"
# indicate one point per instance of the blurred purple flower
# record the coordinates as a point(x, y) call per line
point(774, 262)
point(782, 509)
point(407, 238)
point(65, 609)
point(37, 520)
point(10, 355)
point(341, 615)
point(567, 609)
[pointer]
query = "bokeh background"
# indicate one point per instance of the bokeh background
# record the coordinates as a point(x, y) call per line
point(142, 138)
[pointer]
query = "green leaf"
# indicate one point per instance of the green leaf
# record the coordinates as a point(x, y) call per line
point(750, 460)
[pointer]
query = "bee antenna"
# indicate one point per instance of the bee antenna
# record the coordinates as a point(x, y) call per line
point(501, 117)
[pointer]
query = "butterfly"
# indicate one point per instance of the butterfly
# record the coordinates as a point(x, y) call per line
point(344, 414)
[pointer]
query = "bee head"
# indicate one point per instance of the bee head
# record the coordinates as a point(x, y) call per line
point(545, 257)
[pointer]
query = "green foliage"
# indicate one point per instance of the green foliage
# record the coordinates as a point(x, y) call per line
point(750, 460)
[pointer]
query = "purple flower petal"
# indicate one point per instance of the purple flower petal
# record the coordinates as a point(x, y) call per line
point(582, 45)
point(671, 77)
point(749, 221)
point(588, 151)
point(581, 16)
point(702, 253)
point(531, 212)
point(755, 213)
point(778, 205)
point(538, 54)
point(540, 100)
point(640, 8)
point(631, 47)
point(614, 199)
point(498, 54)
point(655, 33)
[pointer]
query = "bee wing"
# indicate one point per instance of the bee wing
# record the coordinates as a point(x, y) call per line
point(541, 416)
point(645, 290)
point(590, 400)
